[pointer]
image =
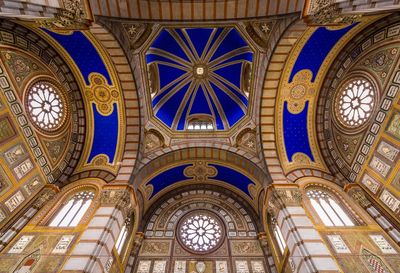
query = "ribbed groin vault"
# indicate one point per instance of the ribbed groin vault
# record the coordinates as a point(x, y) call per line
point(203, 136)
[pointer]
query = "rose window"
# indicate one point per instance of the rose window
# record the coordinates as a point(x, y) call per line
point(355, 102)
point(200, 232)
point(46, 105)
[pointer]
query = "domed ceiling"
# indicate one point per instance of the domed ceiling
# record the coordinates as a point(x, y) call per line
point(199, 74)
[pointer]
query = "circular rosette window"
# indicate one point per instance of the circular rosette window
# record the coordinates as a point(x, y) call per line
point(200, 232)
point(46, 106)
point(354, 102)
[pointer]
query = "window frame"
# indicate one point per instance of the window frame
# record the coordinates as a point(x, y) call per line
point(78, 216)
point(341, 203)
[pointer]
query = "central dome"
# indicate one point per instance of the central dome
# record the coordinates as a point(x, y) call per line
point(199, 72)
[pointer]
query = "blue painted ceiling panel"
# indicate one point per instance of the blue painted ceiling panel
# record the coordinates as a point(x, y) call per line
point(192, 53)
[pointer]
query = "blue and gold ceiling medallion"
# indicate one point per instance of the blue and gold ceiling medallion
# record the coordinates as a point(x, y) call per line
point(199, 73)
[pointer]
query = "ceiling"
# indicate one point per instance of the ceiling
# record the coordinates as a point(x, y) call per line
point(199, 73)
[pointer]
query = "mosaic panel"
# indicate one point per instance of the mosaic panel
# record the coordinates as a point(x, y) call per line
point(390, 200)
point(379, 166)
point(388, 151)
point(15, 200)
point(338, 244)
point(383, 244)
point(370, 183)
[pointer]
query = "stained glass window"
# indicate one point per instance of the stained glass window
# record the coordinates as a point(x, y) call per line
point(355, 102)
point(72, 212)
point(330, 212)
point(200, 232)
point(45, 105)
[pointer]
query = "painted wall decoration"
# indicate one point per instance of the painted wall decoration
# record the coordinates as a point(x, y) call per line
point(370, 183)
point(63, 244)
point(387, 150)
point(15, 201)
point(394, 125)
point(198, 73)
point(299, 86)
point(338, 244)
point(180, 267)
point(207, 171)
point(242, 266)
point(383, 244)
point(20, 245)
point(380, 166)
point(103, 99)
point(144, 266)
point(373, 262)
point(6, 130)
point(390, 200)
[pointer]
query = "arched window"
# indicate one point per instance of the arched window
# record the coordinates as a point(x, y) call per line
point(123, 234)
point(72, 212)
point(200, 125)
point(278, 236)
point(328, 209)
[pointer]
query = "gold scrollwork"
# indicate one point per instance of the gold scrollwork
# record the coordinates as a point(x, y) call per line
point(299, 91)
point(101, 93)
